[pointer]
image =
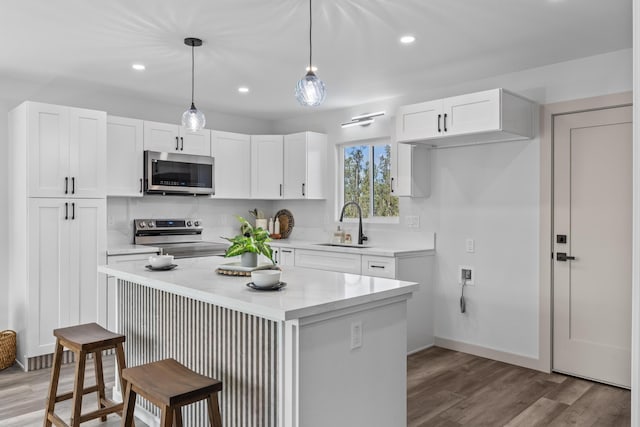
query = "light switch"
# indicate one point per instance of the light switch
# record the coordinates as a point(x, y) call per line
point(471, 245)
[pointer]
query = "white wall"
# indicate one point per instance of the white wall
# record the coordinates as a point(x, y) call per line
point(79, 94)
point(488, 192)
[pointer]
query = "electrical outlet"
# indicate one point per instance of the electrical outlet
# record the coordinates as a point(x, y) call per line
point(356, 335)
point(412, 221)
point(110, 220)
point(466, 274)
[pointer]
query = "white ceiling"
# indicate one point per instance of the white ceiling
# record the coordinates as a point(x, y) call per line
point(263, 44)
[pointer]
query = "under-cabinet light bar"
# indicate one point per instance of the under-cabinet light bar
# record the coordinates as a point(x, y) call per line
point(358, 123)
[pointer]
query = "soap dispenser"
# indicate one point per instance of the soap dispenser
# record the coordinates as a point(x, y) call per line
point(338, 235)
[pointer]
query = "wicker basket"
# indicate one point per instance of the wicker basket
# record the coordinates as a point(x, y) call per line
point(7, 349)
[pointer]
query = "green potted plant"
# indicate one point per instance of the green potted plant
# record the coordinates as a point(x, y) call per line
point(251, 242)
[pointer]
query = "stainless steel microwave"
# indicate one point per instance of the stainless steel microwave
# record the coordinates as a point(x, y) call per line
point(175, 173)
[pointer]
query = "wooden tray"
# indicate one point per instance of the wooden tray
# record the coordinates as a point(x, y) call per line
point(286, 222)
point(228, 272)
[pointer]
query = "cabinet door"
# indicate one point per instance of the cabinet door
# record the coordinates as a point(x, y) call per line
point(331, 261)
point(197, 143)
point(49, 278)
point(87, 153)
point(87, 250)
point(266, 166)
point(232, 153)
point(125, 156)
point(287, 257)
point(410, 170)
point(162, 137)
point(48, 136)
point(295, 166)
point(474, 112)
point(419, 121)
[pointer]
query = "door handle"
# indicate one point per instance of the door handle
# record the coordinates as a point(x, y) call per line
point(66, 185)
point(439, 117)
point(66, 210)
point(177, 144)
point(73, 211)
point(73, 185)
point(181, 143)
point(562, 256)
point(445, 122)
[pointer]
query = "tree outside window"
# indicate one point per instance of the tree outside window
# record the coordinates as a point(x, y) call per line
point(367, 180)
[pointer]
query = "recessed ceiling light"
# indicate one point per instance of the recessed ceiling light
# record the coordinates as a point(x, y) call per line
point(243, 89)
point(314, 69)
point(138, 67)
point(407, 39)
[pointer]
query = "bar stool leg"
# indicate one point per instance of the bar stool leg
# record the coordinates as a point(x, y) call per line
point(129, 406)
point(177, 416)
point(53, 386)
point(121, 365)
point(166, 418)
point(78, 388)
point(214, 410)
point(97, 357)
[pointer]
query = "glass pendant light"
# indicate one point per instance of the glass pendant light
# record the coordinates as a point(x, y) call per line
point(310, 90)
point(193, 119)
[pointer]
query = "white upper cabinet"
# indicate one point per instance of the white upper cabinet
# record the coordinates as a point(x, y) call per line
point(305, 163)
point(232, 153)
point(66, 149)
point(267, 166)
point(165, 137)
point(481, 117)
point(410, 170)
point(125, 154)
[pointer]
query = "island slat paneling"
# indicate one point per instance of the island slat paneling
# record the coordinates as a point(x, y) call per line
point(236, 348)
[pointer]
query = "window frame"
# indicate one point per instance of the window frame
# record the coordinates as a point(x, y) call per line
point(340, 181)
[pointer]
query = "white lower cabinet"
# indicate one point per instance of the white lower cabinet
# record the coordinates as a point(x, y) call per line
point(57, 283)
point(284, 256)
point(325, 260)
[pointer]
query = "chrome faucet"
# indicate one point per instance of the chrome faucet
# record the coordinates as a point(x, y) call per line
point(361, 236)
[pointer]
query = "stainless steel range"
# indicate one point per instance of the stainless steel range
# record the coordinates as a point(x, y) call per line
point(180, 237)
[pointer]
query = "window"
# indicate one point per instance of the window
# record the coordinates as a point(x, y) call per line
point(366, 179)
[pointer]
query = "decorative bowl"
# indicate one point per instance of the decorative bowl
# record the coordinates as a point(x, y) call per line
point(265, 278)
point(158, 261)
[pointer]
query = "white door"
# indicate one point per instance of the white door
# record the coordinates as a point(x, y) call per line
point(470, 113)
point(48, 136)
point(162, 137)
point(232, 153)
point(419, 121)
point(87, 297)
point(48, 272)
point(592, 245)
point(266, 166)
point(197, 143)
point(87, 153)
point(295, 166)
point(125, 156)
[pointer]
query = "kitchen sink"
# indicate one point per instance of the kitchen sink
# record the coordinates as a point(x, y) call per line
point(343, 245)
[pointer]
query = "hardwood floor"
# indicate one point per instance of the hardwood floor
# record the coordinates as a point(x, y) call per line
point(447, 388)
point(444, 388)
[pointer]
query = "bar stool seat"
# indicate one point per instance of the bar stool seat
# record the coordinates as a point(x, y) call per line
point(83, 340)
point(170, 385)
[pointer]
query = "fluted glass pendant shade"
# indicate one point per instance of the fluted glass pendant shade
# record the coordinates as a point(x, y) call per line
point(310, 90)
point(193, 119)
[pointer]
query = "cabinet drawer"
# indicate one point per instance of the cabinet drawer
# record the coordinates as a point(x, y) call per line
point(379, 266)
point(332, 261)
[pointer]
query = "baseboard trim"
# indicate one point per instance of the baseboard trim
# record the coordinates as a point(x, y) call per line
point(490, 353)
point(417, 350)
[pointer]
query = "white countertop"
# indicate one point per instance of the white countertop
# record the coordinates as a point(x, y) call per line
point(131, 249)
point(373, 250)
point(308, 292)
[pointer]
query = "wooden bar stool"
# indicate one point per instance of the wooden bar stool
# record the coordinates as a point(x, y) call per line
point(170, 386)
point(82, 340)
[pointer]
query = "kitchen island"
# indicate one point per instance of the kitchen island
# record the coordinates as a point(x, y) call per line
point(328, 349)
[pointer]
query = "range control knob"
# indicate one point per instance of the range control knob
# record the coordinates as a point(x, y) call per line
point(188, 223)
point(152, 224)
point(197, 223)
point(142, 224)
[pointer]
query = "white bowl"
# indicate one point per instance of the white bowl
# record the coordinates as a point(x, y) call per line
point(265, 278)
point(158, 261)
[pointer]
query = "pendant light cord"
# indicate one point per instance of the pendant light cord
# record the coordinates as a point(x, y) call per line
point(192, 72)
point(310, 27)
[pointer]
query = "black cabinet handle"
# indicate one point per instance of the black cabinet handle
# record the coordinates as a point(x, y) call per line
point(445, 122)
point(140, 185)
point(66, 185)
point(73, 185)
point(439, 117)
point(392, 190)
point(284, 251)
point(177, 144)
point(303, 188)
point(280, 189)
point(376, 266)
point(73, 211)
point(66, 210)
point(182, 142)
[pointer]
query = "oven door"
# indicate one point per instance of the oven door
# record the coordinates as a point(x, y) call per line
point(173, 173)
